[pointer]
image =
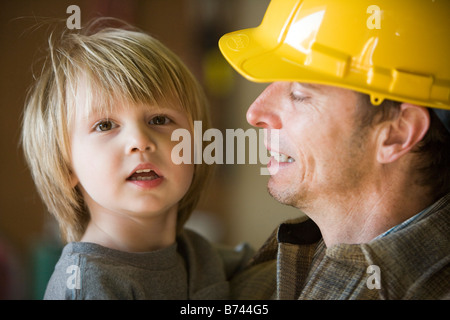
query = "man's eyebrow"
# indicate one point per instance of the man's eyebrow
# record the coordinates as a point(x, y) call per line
point(310, 86)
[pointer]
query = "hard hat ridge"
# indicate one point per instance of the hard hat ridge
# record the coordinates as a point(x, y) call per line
point(393, 50)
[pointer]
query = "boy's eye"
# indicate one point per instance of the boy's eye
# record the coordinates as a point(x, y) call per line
point(159, 120)
point(104, 125)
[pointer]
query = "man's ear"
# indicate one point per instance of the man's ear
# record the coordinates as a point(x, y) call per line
point(400, 135)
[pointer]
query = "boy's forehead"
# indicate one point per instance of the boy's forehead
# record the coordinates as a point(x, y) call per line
point(90, 98)
point(110, 105)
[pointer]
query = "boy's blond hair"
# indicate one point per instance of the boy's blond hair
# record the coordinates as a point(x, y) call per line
point(113, 64)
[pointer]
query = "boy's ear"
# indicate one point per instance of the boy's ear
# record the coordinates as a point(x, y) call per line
point(73, 179)
point(403, 133)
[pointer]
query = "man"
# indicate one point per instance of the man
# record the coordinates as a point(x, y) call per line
point(358, 97)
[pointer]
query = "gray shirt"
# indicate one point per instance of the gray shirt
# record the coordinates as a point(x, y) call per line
point(188, 269)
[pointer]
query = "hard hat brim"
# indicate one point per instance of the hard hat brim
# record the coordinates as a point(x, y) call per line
point(257, 60)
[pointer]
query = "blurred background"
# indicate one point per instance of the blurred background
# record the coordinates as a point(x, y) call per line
point(238, 208)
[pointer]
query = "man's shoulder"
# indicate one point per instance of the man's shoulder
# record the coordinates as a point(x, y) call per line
point(258, 280)
point(415, 261)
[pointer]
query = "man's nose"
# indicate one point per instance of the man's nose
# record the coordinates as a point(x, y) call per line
point(140, 140)
point(264, 111)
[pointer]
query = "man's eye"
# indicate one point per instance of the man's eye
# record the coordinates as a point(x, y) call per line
point(159, 120)
point(104, 125)
point(295, 96)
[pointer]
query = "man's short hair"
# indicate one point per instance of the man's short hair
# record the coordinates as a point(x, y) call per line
point(433, 165)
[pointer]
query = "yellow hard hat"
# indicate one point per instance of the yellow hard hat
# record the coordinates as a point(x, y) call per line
point(389, 49)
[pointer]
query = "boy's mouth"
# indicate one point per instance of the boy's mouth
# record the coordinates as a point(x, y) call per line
point(143, 175)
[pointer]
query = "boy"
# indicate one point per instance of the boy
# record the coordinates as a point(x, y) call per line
point(97, 137)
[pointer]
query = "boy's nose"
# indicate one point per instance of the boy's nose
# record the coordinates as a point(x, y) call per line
point(264, 112)
point(141, 148)
point(140, 140)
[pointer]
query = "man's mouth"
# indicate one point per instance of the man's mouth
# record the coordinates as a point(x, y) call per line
point(143, 175)
point(281, 157)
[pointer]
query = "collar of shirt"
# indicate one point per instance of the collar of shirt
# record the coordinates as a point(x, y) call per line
point(406, 223)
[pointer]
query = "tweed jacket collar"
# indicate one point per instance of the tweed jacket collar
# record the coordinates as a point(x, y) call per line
point(414, 263)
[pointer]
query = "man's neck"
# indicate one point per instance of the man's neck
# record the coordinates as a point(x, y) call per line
point(362, 217)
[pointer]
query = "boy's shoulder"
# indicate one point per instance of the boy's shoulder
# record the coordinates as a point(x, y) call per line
point(192, 267)
point(91, 271)
point(231, 259)
point(84, 271)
